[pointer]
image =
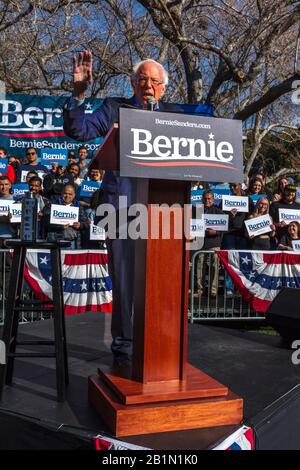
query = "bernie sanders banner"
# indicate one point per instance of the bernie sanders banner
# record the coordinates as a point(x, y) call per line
point(36, 121)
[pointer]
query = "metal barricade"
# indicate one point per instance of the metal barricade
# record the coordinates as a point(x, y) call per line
point(25, 317)
point(208, 300)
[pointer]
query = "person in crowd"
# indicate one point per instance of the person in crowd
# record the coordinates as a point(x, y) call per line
point(70, 232)
point(53, 183)
point(7, 230)
point(149, 81)
point(90, 212)
point(93, 175)
point(14, 162)
point(30, 175)
point(82, 157)
point(293, 233)
point(32, 165)
point(262, 242)
point(261, 175)
point(212, 241)
point(255, 187)
point(235, 238)
point(71, 157)
point(288, 202)
point(35, 186)
point(278, 193)
point(74, 171)
point(10, 173)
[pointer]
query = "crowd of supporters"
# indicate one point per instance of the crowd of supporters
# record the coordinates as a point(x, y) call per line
point(62, 185)
point(56, 185)
point(261, 201)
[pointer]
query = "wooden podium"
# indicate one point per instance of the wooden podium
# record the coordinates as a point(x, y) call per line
point(162, 392)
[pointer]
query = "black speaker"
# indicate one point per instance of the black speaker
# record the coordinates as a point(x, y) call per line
point(284, 314)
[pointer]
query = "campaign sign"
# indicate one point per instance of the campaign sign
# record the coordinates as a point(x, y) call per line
point(3, 166)
point(258, 225)
point(19, 190)
point(240, 203)
point(197, 228)
point(63, 215)
point(197, 195)
point(5, 205)
point(88, 188)
point(97, 233)
point(296, 245)
point(24, 173)
point(256, 197)
point(49, 156)
point(180, 146)
point(298, 194)
point(216, 221)
point(289, 215)
point(16, 213)
point(37, 121)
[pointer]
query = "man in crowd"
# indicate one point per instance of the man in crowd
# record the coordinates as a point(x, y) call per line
point(31, 165)
point(10, 172)
point(149, 81)
point(7, 230)
point(70, 232)
point(82, 156)
point(212, 241)
point(288, 202)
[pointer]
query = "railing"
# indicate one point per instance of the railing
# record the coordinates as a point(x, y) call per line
point(204, 307)
point(212, 302)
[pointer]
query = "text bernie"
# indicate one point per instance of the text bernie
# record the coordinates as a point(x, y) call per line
point(64, 215)
point(179, 147)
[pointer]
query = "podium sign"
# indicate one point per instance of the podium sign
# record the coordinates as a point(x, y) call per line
point(181, 147)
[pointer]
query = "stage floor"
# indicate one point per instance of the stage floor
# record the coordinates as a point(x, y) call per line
point(252, 365)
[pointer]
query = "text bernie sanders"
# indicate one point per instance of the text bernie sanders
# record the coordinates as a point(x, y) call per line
point(64, 215)
point(179, 147)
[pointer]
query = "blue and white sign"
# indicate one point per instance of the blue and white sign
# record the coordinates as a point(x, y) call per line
point(289, 215)
point(24, 174)
point(296, 245)
point(240, 203)
point(196, 195)
point(258, 225)
point(5, 205)
point(217, 222)
point(3, 166)
point(298, 194)
point(37, 121)
point(49, 156)
point(197, 228)
point(16, 213)
point(88, 188)
point(19, 190)
point(97, 233)
point(63, 215)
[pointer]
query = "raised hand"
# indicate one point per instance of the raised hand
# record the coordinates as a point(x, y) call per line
point(82, 73)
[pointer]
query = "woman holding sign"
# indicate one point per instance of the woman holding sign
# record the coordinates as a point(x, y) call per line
point(265, 232)
point(286, 241)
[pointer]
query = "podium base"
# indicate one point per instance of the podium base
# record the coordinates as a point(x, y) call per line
point(170, 408)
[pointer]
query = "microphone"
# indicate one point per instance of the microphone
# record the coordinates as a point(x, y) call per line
point(151, 103)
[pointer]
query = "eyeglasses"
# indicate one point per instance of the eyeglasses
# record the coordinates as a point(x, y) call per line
point(154, 82)
point(31, 153)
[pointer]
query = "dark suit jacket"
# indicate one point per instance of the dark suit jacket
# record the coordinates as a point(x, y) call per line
point(84, 127)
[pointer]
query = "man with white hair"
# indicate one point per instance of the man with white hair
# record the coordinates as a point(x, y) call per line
point(149, 81)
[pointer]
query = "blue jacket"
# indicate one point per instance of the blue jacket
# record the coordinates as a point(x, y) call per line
point(84, 127)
